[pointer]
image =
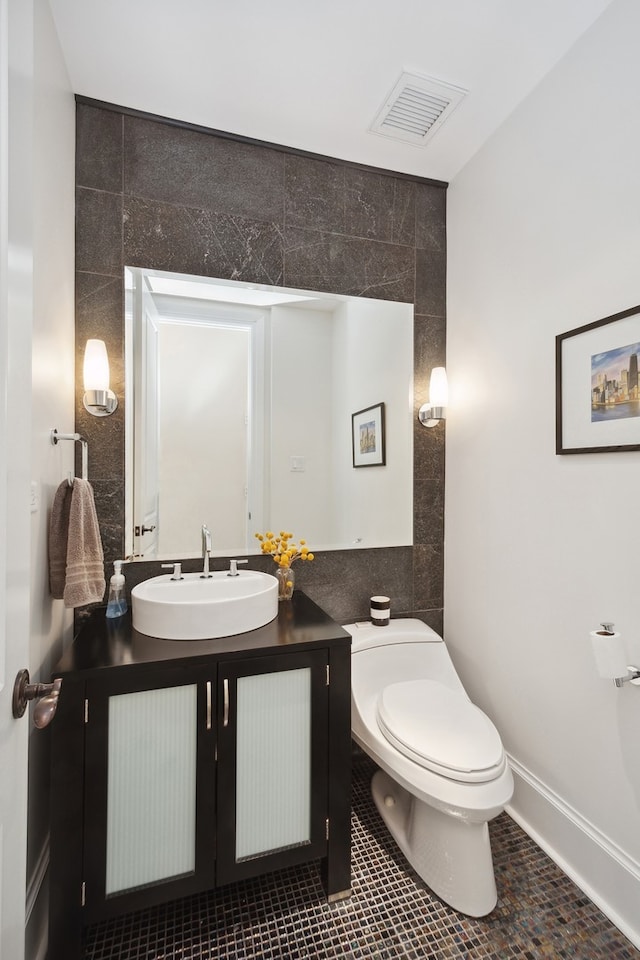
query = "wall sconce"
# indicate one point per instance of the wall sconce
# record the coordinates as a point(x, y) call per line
point(98, 399)
point(430, 414)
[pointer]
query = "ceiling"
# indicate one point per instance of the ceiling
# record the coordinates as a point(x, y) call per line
point(313, 74)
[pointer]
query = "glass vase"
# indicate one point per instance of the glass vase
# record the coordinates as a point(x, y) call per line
point(286, 582)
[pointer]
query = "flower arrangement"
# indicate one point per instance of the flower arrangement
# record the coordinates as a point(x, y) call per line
point(284, 551)
point(282, 548)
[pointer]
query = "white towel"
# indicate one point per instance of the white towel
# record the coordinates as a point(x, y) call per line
point(76, 559)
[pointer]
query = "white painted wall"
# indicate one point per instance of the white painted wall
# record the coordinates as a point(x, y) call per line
point(544, 236)
point(52, 393)
point(373, 363)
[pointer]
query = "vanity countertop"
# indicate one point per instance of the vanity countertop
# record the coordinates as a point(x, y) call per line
point(103, 644)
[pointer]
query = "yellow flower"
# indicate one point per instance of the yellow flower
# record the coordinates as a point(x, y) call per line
point(282, 547)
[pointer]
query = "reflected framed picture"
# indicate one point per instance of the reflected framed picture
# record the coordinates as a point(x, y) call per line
point(597, 386)
point(367, 434)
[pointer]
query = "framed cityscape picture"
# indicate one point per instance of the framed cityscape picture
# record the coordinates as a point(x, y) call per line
point(367, 435)
point(597, 386)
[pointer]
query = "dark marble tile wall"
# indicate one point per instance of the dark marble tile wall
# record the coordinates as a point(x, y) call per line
point(159, 195)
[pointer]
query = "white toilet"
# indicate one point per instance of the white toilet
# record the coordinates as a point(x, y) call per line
point(444, 773)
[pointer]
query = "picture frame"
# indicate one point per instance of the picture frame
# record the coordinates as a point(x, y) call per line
point(598, 386)
point(367, 437)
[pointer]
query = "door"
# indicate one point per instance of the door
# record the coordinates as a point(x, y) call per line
point(16, 32)
point(149, 789)
point(203, 413)
point(272, 763)
point(142, 354)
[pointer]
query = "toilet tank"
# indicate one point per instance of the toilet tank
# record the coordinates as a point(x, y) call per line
point(404, 650)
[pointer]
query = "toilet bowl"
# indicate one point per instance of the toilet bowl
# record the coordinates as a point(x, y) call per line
point(443, 771)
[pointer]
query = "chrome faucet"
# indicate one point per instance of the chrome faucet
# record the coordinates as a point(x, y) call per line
point(206, 551)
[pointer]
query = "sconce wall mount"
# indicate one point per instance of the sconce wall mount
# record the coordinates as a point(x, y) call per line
point(100, 403)
point(431, 416)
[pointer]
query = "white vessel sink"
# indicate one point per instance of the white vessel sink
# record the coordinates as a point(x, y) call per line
point(195, 608)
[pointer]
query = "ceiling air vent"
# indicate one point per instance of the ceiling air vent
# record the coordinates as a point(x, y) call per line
point(416, 108)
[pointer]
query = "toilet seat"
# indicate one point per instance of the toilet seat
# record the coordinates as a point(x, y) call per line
point(441, 730)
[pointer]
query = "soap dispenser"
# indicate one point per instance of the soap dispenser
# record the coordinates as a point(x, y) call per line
point(117, 603)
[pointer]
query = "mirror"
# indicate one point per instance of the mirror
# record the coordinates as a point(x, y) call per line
point(243, 402)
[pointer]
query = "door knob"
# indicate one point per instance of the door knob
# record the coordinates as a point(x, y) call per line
point(140, 531)
point(45, 693)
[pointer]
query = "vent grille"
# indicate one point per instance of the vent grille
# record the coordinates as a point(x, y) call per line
point(416, 108)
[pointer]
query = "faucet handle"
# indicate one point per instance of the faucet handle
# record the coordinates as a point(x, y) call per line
point(233, 567)
point(177, 570)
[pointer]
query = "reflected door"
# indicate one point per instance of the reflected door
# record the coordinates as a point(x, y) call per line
point(203, 418)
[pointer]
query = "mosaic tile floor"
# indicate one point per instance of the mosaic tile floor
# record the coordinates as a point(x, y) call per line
point(391, 914)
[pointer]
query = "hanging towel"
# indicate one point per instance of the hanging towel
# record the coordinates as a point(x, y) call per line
point(58, 536)
point(76, 560)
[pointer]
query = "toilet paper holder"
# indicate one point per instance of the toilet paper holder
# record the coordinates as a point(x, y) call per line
point(633, 672)
point(632, 677)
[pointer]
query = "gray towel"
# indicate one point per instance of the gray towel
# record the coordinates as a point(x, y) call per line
point(58, 536)
point(76, 559)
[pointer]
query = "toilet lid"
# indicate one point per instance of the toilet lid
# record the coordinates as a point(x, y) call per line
point(441, 730)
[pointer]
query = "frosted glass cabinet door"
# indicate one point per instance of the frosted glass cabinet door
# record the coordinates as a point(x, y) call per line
point(273, 772)
point(151, 787)
point(144, 788)
point(272, 762)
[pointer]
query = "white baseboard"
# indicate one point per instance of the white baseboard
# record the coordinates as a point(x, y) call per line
point(602, 870)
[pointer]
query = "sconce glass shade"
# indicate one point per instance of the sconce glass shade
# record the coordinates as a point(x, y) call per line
point(98, 399)
point(96, 366)
point(438, 388)
point(430, 414)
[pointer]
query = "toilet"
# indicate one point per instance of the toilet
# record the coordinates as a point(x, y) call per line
point(443, 771)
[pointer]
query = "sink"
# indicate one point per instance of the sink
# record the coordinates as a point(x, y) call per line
point(195, 608)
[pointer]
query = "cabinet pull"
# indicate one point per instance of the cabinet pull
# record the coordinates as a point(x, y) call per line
point(225, 702)
point(208, 704)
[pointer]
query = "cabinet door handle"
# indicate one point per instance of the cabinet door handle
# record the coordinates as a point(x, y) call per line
point(225, 702)
point(208, 704)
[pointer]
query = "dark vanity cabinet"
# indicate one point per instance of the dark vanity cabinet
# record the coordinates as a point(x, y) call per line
point(180, 766)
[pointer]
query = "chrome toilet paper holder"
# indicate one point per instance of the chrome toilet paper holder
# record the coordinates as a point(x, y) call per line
point(632, 677)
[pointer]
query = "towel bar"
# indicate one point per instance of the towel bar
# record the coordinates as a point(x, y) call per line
point(55, 436)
